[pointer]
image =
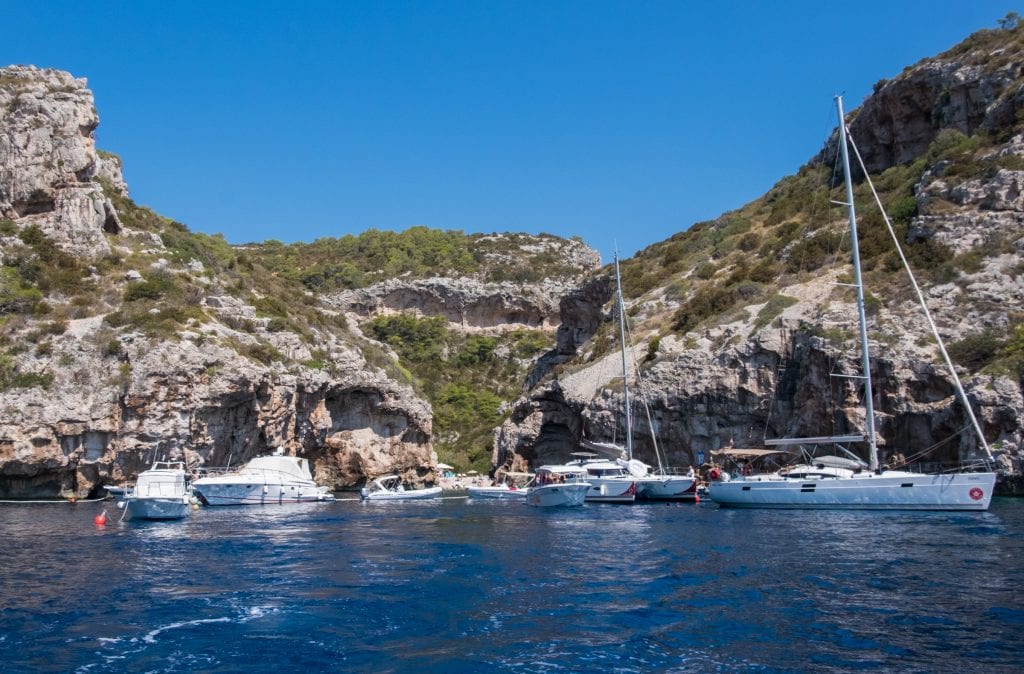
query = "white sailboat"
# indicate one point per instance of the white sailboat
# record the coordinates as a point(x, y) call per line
point(837, 483)
point(606, 476)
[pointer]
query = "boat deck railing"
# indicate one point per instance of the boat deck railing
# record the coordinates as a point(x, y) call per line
point(675, 470)
point(940, 467)
point(200, 472)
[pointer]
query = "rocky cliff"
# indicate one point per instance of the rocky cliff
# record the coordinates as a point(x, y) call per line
point(124, 338)
point(741, 327)
point(48, 160)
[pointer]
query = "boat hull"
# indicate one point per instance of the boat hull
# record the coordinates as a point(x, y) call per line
point(496, 492)
point(906, 491)
point(410, 495)
point(228, 493)
point(674, 488)
point(156, 508)
point(611, 490)
point(553, 495)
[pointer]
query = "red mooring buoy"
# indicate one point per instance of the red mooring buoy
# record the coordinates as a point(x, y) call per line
point(100, 519)
point(696, 498)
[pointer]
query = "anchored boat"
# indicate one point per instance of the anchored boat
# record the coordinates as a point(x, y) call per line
point(264, 480)
point(390, 488)
point(160, 493)
point(838, 482)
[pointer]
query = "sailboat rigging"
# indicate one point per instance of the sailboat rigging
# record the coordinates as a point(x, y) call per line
point(648, 484)
point(836, 482)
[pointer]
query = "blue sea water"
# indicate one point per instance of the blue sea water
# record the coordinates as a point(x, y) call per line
point(459, 585)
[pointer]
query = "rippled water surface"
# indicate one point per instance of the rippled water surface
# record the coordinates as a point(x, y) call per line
point(457, 585)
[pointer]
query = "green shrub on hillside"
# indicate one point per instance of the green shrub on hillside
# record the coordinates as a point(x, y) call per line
point(772, 309)
point(528, 343)
point(978, 351)
point(10, 377)
point(477, 350)
point(15, 298)
point(415, 339)
point(705, 303)
point(463, 376)
point(159, 322)
point(158, 285)
point(354, 261)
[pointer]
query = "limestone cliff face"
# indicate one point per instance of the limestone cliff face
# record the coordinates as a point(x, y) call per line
point(48, 160)
point(976, 86)
point(206, 404)
point(466, 303)
point(743, 380)
point(86, 401)
point(474, 304)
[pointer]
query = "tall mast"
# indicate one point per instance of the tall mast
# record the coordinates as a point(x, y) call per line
point(625, 370)
point(869, 407)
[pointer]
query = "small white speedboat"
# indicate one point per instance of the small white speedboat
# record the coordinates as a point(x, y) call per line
point(160, 493)
point(513, 486)
point(263, 481)
point(390, 488)
point(558, 486)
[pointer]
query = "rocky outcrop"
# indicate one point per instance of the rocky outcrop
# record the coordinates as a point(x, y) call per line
point(779, 385)
point(742, 380)
point(97, 404)
point(197, 401)
point(472, 303)
point(966, 89)
point(48, 160)
point(542, 429)
point(466, 303)
point(582, 314)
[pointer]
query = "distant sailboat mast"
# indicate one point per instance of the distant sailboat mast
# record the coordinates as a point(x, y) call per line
point(625, 370)
point(869, 407)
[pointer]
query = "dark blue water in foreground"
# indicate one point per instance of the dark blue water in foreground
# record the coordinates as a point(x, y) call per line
point(458, 585)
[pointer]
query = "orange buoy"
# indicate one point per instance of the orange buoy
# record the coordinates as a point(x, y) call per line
point(100, 519)
point(696, 498)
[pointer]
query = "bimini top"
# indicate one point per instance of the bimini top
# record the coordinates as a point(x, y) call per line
point(562, 470)
point(743, 452)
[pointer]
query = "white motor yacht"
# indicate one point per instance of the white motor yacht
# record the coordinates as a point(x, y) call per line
point(160, 493)
point(264, 480)
point(558, 486)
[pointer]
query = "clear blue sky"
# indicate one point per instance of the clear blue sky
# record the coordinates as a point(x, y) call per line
point(614, 121)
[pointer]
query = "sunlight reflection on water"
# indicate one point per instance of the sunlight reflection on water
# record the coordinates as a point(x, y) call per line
point(464, 586)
